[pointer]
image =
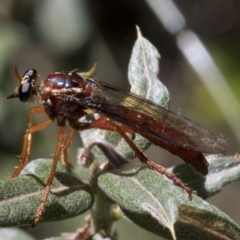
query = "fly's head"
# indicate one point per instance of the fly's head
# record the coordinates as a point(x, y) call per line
point(27, 85)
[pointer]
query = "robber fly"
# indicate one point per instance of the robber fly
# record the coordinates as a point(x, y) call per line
point(68, 96)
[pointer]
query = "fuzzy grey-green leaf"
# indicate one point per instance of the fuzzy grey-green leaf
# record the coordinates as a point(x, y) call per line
point(21, 196)
point(138, 192)
point(42, 166)
point(222, 170)
point(143, 73)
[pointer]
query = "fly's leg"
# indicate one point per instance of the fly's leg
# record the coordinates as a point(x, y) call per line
point(100, 123)
point(140, 154)
point(41, 208)
point(108, 124)
point(27, 142)
point(65, 148)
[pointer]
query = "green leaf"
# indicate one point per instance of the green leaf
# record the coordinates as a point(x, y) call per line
point(143, 72)
point(157, 205)
point(42, 167)
point(222, 170)
point(20, 197)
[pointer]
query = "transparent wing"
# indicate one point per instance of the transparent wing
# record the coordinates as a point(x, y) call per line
point(151, 120)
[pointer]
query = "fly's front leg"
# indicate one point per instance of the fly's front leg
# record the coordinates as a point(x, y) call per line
point(27, 142)
point(41, 208)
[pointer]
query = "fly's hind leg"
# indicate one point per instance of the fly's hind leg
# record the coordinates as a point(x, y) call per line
point(108, 124)
point(140, 154)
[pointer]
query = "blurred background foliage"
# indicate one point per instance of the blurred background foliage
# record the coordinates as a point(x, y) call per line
point(55, 35)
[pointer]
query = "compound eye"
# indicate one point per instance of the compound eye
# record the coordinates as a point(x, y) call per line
point(25, 91)
point(30, 74)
